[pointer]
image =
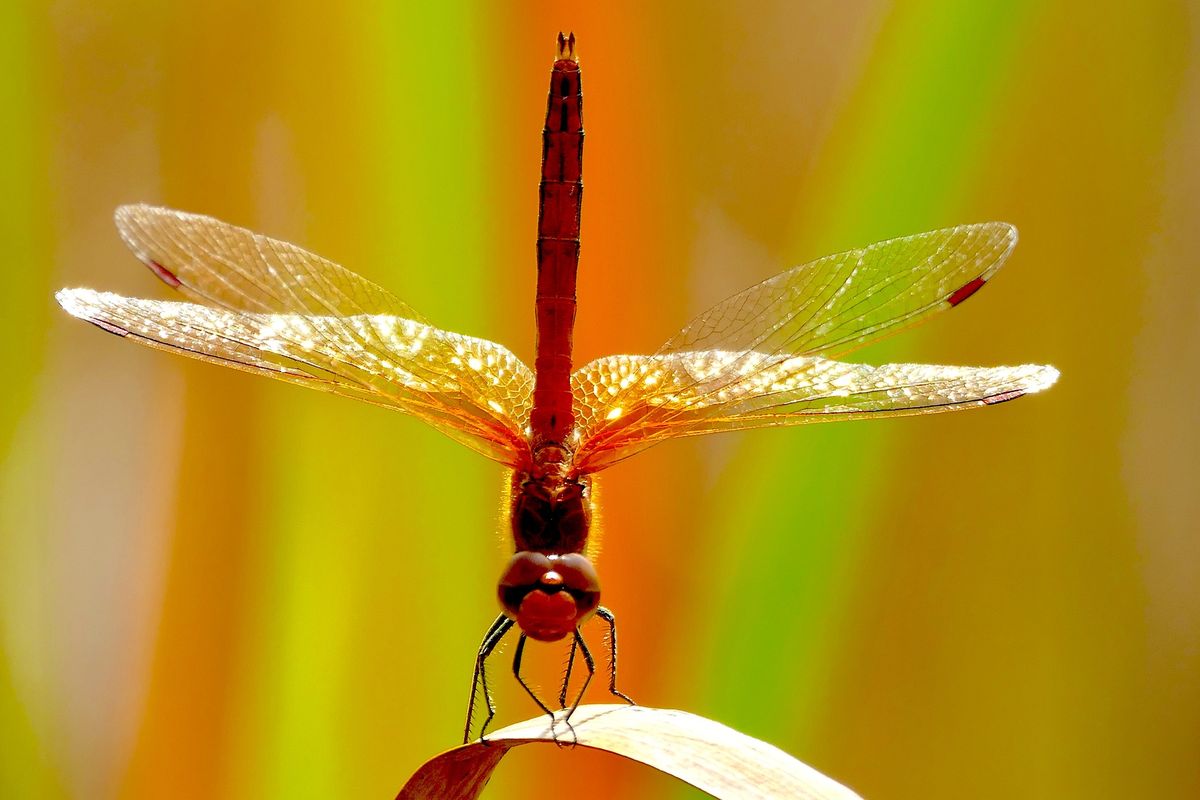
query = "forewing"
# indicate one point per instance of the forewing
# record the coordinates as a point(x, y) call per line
point(633, 402)
point(218, 264)
point(764, 356)
point(838, 303)
point(471, 389)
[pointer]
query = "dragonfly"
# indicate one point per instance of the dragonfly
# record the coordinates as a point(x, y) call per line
point(767, 356)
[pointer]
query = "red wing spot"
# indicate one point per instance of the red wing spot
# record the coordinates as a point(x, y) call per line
point(164, 274)
point(965, 291)
point(1003, 397)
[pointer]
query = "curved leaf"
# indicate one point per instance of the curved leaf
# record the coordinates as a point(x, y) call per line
point(708, 755)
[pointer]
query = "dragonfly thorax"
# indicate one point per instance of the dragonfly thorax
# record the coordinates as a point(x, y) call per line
point(551, 512)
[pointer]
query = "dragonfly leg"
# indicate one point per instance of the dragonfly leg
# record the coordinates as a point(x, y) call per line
point(591, 668)
point(590, 663)
point(492, 638)
point(606, 615)
point(517, 656)
point(562, 695)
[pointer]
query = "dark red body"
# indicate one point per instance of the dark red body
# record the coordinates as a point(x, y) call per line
point(549, 587)
point(550, 513)
point(561, 195)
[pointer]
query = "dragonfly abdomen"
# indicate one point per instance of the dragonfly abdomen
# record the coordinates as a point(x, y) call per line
point(560, 201)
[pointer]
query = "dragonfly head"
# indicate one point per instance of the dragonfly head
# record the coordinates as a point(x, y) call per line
point(549, 595)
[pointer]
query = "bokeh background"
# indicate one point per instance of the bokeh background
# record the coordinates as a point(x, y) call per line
point(212, 585)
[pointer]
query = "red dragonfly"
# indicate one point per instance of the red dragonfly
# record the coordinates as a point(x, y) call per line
point(767, 356)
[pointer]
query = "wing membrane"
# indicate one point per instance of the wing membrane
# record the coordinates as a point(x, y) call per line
point(765, 355)
point(270, 307)
point(838, 303)
point(686, 394)
point(471, 389)
point(218, 264)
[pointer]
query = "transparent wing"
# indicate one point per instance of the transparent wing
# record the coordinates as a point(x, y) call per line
point(270, 307)
point(837, 304)
point(686, 394)
point(471, 389)
point(218, 264)
point(763, 356)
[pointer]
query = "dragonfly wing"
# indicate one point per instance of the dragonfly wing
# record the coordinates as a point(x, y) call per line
point(633, 402)
point(215, 263)
point(838, 303)
point(764, 356)
point(471, 389)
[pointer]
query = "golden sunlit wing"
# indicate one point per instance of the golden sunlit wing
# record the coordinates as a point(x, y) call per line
point(686, 394)
point(272, 308)
point(761, 357)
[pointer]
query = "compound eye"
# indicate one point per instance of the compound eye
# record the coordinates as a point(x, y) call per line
point(577, 572)
point(522, 574)
point(525, 569)
point(580, 579)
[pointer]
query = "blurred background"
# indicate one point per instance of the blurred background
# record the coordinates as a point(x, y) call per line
point(213, 585)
